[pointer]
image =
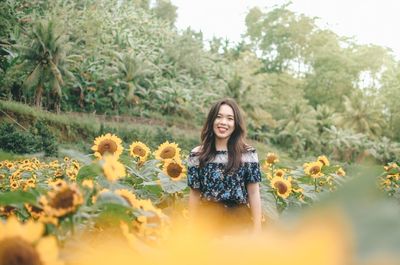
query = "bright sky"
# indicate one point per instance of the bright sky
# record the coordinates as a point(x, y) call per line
point(369, 21)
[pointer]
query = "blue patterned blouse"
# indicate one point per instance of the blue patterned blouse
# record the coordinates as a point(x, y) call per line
point(216, 186)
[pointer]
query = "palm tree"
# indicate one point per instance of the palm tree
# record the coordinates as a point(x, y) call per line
point(128, 69)
point(324, 116)
point(299, 129)
point(360, 116)
point(46, 55)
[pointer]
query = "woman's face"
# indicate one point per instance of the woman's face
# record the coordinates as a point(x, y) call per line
point(224, 123)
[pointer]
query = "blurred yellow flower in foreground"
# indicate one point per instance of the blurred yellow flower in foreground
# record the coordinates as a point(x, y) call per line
point(113, 169)
point(24, 244)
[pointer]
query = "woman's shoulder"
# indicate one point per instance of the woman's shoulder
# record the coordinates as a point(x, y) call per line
point(195, 151)
point(249, 149)
point(250, 154)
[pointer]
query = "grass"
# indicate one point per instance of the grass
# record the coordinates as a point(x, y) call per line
point(77, 131)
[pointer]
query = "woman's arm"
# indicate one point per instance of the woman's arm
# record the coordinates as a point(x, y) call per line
point(194, 201)
point(253, 190)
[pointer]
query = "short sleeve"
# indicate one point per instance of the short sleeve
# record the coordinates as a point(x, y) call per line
point(193, 177)
point(253, 173)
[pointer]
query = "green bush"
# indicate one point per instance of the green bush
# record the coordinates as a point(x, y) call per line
point(16, 141)
point(46, 140)
point(38, 138)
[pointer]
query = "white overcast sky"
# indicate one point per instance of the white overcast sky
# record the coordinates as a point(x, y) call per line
point(369, 21)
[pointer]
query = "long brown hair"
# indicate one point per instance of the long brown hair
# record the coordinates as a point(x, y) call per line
point(236, 144)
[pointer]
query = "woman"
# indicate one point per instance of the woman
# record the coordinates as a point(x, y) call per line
point(223, 172)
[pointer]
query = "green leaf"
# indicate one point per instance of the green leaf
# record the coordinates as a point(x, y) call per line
point(109, 197)
point(89, 171)
point(169, 185)
point(329, 169)
point(13, 197)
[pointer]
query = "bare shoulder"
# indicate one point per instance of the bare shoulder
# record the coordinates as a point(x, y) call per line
point(196, 150)
point(249, 149)
point(250, 154)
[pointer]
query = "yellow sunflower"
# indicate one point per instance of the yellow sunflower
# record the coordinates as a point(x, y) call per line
point(341, 172)
point(174, 169)
point(113, 169)
point(279, 173)
point(107, 144)
point(313, 169)
point(129, 197)
point(324, 160)
point(391, 166)
point(7, 210)
point(140, 150)
point(150, 224)
point(167, 151)
point(24, 244)
point(64, 199)
point(34, 211)
point(282, 186)
point(271, 158)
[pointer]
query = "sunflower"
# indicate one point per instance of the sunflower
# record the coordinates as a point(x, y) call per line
point(271, 158)
point(313, 169)
point(107, 144)
point(129, 197)
point(341, 172)
point(64, 199)
point(151, 223)
point(279, 173)
point(88, 183)
point(140, 150)
point(174, 169)
point(324, 160)
point(282, 186)
point(113, 169)
point(7, 210)
point(34, 211)
point(390, 166)
point(167, 151)
point(24, 244)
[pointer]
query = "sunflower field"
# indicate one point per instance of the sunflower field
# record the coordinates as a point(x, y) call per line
point(130, 203)
point(101, 102)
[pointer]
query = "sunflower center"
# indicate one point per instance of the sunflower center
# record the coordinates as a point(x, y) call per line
point(63, 200)
point(271, 159)
point(281, 187)
point(279, 173)
point(168, 152)
point(174, 170)
point(137, 150)
point(34, 210)
point(107, 146)
point(315, 170)
point(16, 251)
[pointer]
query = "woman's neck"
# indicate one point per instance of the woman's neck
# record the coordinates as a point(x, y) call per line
point(221, 144)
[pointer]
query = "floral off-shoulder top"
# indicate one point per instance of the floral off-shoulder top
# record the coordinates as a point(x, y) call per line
point(216, 186)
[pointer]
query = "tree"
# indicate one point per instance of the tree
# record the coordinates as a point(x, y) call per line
point(389, 97)
point(361, 116)
point(281, 36)
point(46, 55)
point(165, 10)
point(298, 131)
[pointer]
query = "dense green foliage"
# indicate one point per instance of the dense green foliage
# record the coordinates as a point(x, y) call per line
point(301, 86)
point(21, 141)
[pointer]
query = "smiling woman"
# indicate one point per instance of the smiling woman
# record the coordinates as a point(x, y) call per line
point(223, 173)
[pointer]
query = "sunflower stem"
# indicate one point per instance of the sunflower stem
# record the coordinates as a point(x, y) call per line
point(315, 185)
point(71, 221)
